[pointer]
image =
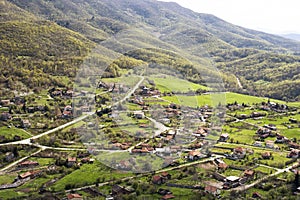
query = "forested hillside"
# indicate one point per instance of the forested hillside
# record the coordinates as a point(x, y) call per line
point(47, 39)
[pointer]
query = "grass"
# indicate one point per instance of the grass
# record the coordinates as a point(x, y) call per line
point(172, 84)
point(247, 99)
point(10, 133)
point(43, 161)
point(8, 178)
point(87, 175)
point(215, 99)
point(282, 123)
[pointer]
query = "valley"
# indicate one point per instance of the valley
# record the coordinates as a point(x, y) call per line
point(117, 99)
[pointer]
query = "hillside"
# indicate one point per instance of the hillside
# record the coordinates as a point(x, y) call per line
point(125, 26)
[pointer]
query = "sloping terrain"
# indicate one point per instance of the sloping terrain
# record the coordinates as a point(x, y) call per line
point(125, 26)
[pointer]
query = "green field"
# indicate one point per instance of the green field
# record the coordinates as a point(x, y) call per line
point(10, 133)
point(88, 174)
point(215, 99)
point(172, 84)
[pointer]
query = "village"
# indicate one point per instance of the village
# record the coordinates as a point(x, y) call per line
point(132, 140)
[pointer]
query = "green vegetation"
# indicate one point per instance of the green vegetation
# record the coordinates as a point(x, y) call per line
point(171, 84)
point(92, 173)
point(11, 134)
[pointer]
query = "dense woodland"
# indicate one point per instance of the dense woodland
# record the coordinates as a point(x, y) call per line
point(45, 42)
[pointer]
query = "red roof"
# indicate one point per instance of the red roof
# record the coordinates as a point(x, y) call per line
point(168, 196)
point(73, 196)
point(194, 153)
point(156, 178)
point(29, 162)
point(210, 188)
point(239, 149)
point(71, 159)
point(249, 172)
point(222, 165)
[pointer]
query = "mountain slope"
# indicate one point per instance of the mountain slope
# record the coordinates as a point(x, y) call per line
point(126, 25)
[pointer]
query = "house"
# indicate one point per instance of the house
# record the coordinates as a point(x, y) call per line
point(249, 173)
point(258, 144)
point(71, 161)
point(158, 180)
point(239, 152)
point(163, 191)
point(74, 197)
point(139, 114)
point(5, 102)
point(168, 196)
point(224, 137)
point(262, 131)
point(270, 126)
point(270, 144)
point(31, 174)
point(25, 123)
point(221, 164)
point(257, 114)
point(201, 132)
point(5, 116)
point(194, 155)
point(68, 112)
point(28, 163)
point(294, 145)
point(119, 190)
point(231, 181)
point(87, 160)
point(294, 153)
point(266, 155)
point(166, 175)
point(281, 139)
point(212, 190)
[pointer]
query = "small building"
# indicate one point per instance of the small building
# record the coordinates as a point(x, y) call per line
point(221, 164)
point(168, 196)
point(28, 163)
point(224, 137)
point(25, 123)
point(194, 155)
point(31, 174)
point(5, 116)
point(212, 190)
point(249, 173)
point(5, 102)
point(74, 197)
point(239, 152)
point(166, 175)
point(281, 139)
point(258, 144)
point(232, 179)
point(71, 161)
point(266, 155)
point(139, 114)
point(294, 153)
point(158, 180)
point(270, 144)
point(119, 190)
point(257, 114)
